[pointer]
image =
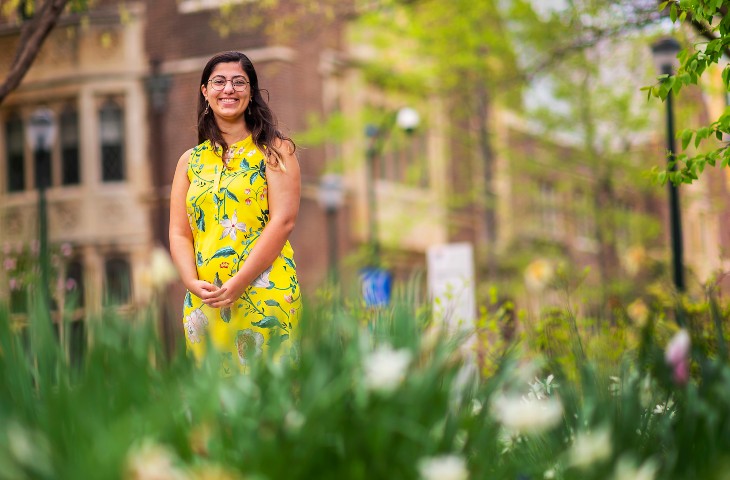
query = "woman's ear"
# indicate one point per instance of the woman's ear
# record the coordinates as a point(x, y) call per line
point(204, 91)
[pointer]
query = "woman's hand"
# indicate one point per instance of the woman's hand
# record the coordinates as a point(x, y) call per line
point(228, 294)
point(206, 291)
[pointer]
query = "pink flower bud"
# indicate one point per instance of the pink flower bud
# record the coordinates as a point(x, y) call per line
point(677, 356)
point(680, 373)
point(678, 348)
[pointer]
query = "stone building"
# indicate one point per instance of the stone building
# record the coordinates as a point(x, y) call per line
point(123, 79)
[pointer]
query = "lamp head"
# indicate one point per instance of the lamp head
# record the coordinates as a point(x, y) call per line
point(665, 52)
point(407, 119)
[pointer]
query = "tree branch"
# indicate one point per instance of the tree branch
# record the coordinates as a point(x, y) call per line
point(33, 34)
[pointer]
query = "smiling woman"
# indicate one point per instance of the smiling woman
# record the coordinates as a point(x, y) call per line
point(234, 202)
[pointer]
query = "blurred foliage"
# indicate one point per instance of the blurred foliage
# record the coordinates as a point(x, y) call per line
point(704, 57)
point(377, 394)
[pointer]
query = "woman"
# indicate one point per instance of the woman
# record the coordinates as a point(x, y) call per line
point(234, 202)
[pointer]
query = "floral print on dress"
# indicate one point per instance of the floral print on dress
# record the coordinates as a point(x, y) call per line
point(195, 325)
point(227, 208)
point(249, 345)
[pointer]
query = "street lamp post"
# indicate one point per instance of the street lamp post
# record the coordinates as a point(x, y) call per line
point(331, 195)
point(407, 119)
point(158, 86)
point(665, 55)
point(376, 282)
point(41, 134)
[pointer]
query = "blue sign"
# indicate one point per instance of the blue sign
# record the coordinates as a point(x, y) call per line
point(377, 285)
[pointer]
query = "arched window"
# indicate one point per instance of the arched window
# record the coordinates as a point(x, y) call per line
point(15, 166)
point(118, 281)
point(69, 134)
point(111, 133)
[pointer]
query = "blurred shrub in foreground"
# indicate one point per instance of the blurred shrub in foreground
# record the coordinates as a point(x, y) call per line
point(373, 394)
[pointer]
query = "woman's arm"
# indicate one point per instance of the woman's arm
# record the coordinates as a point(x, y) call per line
point(284, 188)
point(181, 237)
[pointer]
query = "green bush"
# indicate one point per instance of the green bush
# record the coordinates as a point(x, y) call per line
point(373, 394)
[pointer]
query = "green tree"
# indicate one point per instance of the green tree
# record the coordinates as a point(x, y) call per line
point(35, 19)
point(710, 22)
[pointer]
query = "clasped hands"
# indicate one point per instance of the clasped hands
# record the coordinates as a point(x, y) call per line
point(217, 297)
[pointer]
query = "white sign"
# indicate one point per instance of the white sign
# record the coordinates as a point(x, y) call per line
point(451, 284)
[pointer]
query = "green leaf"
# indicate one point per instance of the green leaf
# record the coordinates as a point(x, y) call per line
point(188, 299)
point(223, 252)
point(686, 138)
point(267, 322)
point(244, 164)
point(289, 262)
point(272, 303)
point(200, 222)
point(226, 314)
point(230, 195)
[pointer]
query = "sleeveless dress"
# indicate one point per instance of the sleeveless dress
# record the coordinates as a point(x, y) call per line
point(227, 209)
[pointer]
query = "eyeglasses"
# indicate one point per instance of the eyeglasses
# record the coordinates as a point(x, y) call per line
point(240, 84)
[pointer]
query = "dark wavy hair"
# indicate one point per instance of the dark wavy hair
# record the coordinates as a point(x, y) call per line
point(261, 121)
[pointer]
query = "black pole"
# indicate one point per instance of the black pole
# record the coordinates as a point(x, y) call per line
point(41, 171)
point(332, 241)
point(373, 242)
point(675, 220)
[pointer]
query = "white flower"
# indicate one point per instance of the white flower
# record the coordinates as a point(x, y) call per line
point(293, 420)
point(151, 461)
point(590, 447)
point(263, 279)
point(385, 368)
point(444, 467)
point(538, 274)
point(230, 225)
point(162, 269)
point(476, 406)
point(542, 389)
point(527, 415)
point(195, 324)
point(626, 470)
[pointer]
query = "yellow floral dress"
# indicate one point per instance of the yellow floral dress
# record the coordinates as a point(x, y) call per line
point(227, 209)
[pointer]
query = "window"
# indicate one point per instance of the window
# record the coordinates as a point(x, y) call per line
point(404, 160)
point(117, 281)
point(69, 135)
point(111, 132)
point(549, 209)
point(14, 153)
point(585, 222)
point(75, 284)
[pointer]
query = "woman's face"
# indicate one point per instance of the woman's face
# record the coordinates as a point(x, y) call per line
point(231, 100)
